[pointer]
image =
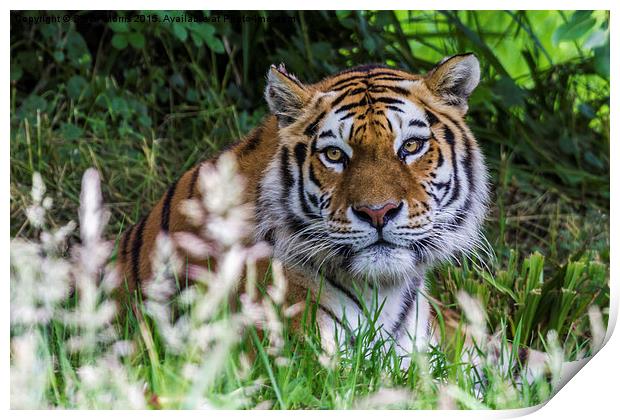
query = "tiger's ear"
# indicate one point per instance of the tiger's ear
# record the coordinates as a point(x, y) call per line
point(285, 95)
point(454, 79)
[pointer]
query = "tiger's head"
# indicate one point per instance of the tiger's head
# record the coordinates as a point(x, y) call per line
point(377, 174)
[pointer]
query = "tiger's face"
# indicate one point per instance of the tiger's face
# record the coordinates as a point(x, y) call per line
point(377, 173)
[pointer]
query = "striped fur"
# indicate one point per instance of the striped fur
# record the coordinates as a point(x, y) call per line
point(403, 144)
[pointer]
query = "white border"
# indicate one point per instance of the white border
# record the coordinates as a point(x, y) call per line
point(593, 392)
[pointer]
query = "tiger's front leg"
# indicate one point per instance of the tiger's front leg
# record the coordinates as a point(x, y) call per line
point(398, 316)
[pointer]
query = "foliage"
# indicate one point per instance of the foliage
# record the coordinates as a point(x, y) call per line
point(143, 101)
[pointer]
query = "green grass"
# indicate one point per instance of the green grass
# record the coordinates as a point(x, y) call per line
point(142, 116)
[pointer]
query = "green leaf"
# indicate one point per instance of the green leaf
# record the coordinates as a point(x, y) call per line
point(587, 110)
point(509, 91)
point(119, 105)
point(70, 131)
point(119, 41)
point(136, 39)
point(119, 26)
point(205, 31)
point(179, 31)
point(59, 56)
point(197, 39)
point(601, 60)
point(216, 45)
point(593, 160)
point(31, 105)
point(145, 121)
point(16, 72)
point(369, 44)
point(572, 30)
point(75, 86)
point(76, 49)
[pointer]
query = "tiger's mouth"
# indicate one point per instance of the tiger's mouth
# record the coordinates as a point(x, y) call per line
point(382, 262)
point(380, 244)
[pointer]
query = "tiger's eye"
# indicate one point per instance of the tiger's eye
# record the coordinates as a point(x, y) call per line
point(333, 154)
point(411, 146)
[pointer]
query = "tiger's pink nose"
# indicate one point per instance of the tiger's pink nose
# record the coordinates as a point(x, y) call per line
point(377, 216)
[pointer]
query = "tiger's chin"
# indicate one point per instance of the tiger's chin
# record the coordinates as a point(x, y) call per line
point(385, 264)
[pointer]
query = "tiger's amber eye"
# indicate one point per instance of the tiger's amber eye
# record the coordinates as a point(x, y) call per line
point(411, 146)
point(334, 154)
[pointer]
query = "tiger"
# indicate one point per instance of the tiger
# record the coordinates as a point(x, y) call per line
point(360, 182)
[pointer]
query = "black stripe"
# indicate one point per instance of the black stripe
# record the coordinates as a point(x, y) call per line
point(448, 135)
point(292, 220)
point(347, 93)
point(125, 241)
point(376, 89)
point(350, 85)
point(390, 101)
point(326, 202)
point(396, 89)
point(340, 98)
point(358, 91)
point(349, 115)
point(419, 249)
point(523, 355)
point(456, 185)
point(469, 172)
point(285, 172)
point(311, 129)
point(313, 145)
point(333, 316)
point(346, 107)
point(192, 182)
point(379, 123)
point(136, 249)
point(344, 83)
point(359, 128)
point(300, 154)
point(347, 292)
point(328, 133)
point(440, 185)
point(252, 142)
point(313, 177)
point(165, 210)
point(431, 117)
point(468, 166)
point(295, 223)
point(417, 123)
point(522, 358)
point(435, 198)
point(384, 73)
point(313, 199)
point(388, 79)
point(270, 237)
point(409, 300)
point(395, 108)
